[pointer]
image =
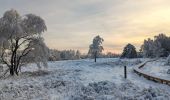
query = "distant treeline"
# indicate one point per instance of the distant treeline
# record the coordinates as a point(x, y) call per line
point(159, 46)
point(56, 55)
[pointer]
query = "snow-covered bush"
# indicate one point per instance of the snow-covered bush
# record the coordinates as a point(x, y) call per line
point(94, 91)
point(106, 90)
point(152, 94)
point(128, 86)
point(69, 90)
point(103, 87)
point(167, 60)
point(168, 63)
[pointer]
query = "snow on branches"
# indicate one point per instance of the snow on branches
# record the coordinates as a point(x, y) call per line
point(21, 36)
point(96, 47)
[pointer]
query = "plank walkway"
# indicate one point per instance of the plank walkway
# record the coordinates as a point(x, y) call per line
point(149, 76)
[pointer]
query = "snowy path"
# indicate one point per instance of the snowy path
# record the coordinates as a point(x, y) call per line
point(157, 68)
point(150, 76)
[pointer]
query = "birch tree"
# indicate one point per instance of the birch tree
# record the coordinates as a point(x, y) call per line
point(18, 39)
point(96, 47)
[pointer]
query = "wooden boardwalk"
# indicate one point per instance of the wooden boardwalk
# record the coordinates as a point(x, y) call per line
point(148, 76)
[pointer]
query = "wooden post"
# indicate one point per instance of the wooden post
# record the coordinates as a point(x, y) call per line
point(125, 72)
point(95, 56)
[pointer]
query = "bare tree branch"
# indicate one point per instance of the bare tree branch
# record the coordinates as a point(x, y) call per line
point(24, 53)
point(24, 41)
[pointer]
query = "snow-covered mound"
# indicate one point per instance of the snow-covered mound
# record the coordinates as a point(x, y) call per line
point(82, 80)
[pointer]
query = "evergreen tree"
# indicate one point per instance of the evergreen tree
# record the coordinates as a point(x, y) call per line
point(129, 51)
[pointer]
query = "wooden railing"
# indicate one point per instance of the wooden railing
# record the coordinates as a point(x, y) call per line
point(148, 76)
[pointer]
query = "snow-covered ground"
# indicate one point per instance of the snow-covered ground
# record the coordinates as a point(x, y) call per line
point(157, 68)
point(82, 80)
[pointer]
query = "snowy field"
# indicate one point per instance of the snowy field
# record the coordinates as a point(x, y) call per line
point(83, 80)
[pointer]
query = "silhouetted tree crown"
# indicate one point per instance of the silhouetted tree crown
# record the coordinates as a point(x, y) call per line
point(129, 51)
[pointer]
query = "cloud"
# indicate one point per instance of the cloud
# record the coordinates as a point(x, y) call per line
point(73, 24)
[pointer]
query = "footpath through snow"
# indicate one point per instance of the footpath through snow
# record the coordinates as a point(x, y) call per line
point(157, 68)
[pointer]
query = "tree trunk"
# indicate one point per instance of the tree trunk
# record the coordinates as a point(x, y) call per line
point(95, 59)
point(95, 56)
point(12, 71)
point(125, 72)
point(14, 64)
point(16, 70)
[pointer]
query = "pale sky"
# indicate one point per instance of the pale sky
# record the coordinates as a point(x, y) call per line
point(72, 24)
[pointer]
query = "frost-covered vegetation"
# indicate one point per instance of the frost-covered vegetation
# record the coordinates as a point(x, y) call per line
point(82, 80)
point(22, 49)
point(106, 90)
point(158, 47)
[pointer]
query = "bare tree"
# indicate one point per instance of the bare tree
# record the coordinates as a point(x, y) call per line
point(96, 47)
point(18, 35)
